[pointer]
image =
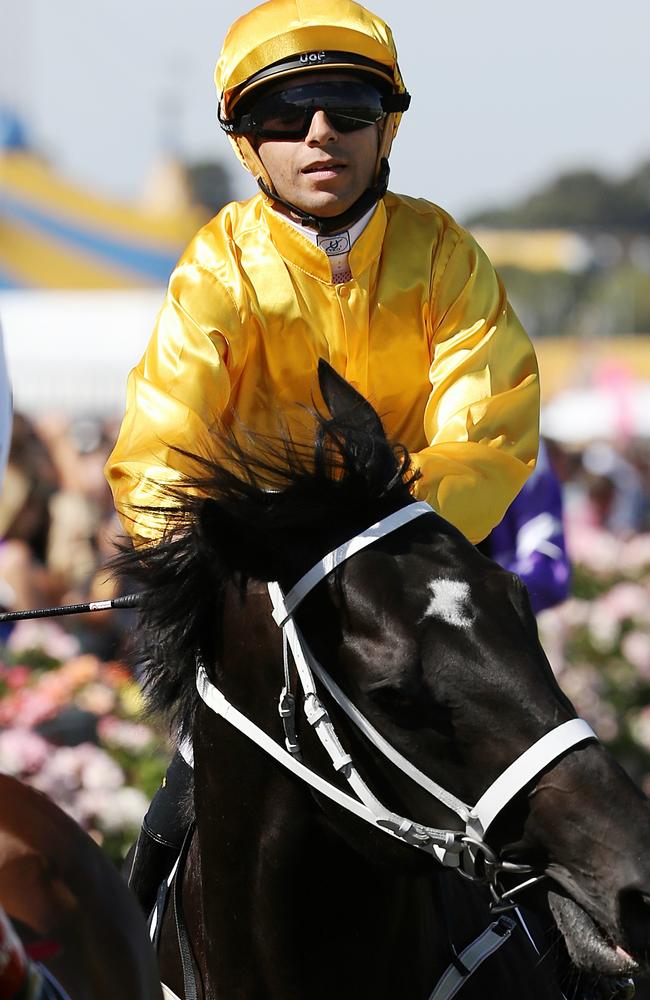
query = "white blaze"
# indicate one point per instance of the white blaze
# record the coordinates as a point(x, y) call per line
point(450, 602)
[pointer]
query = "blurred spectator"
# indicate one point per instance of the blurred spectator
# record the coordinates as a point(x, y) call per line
point(5, 410)
point(529, 541)
point(58, 527)
point(79, 450)
point(614, 490)
point(30, 482)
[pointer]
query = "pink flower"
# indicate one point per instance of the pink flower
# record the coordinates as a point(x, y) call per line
point(81, 670)
point(113, 811)
point(47, 636)
point(69, 769)
point(101, 771)
point(604, 627)
point(640, 727)
point(17, 677)
point(636, 649)
point(575, 612)
point(625, 601)
point(635, 556)
point(582, 684)
point(132, 736)
point(588, 546)
point(27, 708)
point(22, 752)
point(96, 698)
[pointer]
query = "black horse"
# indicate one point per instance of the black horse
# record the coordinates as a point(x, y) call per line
point(287, 896)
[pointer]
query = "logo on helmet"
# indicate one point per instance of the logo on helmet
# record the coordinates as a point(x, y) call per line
point(309, 58)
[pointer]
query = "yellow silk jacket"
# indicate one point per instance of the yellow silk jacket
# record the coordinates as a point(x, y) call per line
point(423, 330)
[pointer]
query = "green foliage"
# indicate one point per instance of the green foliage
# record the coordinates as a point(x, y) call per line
point(545, 301)
point(614, 300)
point(612, 294)
point(597, 302)
point(143, 770)
point(36, 658)
point(580, 199)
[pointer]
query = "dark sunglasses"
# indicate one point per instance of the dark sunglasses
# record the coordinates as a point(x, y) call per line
point(288, 114)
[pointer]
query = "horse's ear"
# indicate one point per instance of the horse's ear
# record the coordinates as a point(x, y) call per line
point(344, 402)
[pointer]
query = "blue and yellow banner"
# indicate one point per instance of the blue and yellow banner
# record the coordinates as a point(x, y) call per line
point(55, 235)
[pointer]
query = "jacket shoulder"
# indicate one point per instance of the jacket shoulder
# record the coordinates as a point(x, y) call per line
point(404, 203)
point(429, 228)
point(216, 241)
point(401, 210)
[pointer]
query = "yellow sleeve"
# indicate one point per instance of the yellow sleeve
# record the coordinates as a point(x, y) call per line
point(482, 416)
point(175, 396)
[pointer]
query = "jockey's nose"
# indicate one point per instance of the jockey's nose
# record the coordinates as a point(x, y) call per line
point(321, 129)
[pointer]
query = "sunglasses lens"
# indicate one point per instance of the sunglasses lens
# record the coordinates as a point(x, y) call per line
point(284, 118)
point(352, 119)
point(288, 114)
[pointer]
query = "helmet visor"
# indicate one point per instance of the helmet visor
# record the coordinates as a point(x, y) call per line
point(287, 114)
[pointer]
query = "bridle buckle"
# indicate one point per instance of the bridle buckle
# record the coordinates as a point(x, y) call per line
point(480, 864)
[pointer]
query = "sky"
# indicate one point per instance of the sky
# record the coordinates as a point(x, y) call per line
point(506, 93)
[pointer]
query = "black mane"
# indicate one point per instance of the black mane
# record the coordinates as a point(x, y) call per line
point(266, 497)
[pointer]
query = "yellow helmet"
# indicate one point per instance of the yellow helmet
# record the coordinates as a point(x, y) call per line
point(282, 38)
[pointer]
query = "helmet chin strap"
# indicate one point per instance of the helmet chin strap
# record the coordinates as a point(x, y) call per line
point(335, 223)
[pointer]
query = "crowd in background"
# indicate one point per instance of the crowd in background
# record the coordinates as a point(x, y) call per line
point(57, 523)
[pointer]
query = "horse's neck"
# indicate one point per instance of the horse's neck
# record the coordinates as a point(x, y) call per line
point(291, 910)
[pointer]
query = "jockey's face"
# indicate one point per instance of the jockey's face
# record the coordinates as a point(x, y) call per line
point(325, 172)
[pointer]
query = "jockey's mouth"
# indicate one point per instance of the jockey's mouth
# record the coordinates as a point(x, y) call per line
point(324, 166)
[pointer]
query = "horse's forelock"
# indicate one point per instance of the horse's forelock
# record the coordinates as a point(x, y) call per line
point(234, 519)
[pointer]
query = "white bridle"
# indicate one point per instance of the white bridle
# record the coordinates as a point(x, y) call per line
point(465, 850)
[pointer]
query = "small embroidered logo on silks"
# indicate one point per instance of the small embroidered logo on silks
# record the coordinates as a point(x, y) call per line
point(334, 245)
point(450, 602)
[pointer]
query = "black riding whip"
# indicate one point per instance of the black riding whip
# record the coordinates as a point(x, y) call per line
point(128, 601)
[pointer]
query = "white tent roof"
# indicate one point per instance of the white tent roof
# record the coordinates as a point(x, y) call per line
point(71, 352)
point(581, 415)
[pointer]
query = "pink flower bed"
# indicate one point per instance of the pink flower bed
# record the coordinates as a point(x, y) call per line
point(598, 642)
point(105, 784)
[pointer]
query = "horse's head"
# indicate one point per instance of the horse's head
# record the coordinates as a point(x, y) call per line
point(436, 645)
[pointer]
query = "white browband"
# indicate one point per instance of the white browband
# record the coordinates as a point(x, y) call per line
point(284, 606)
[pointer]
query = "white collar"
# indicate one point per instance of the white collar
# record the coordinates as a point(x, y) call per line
point(353, 232)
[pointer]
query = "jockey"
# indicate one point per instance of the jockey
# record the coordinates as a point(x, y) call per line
point(324, 261)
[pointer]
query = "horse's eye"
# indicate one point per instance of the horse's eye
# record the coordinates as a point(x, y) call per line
point(407, 708)
point(389, 695)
